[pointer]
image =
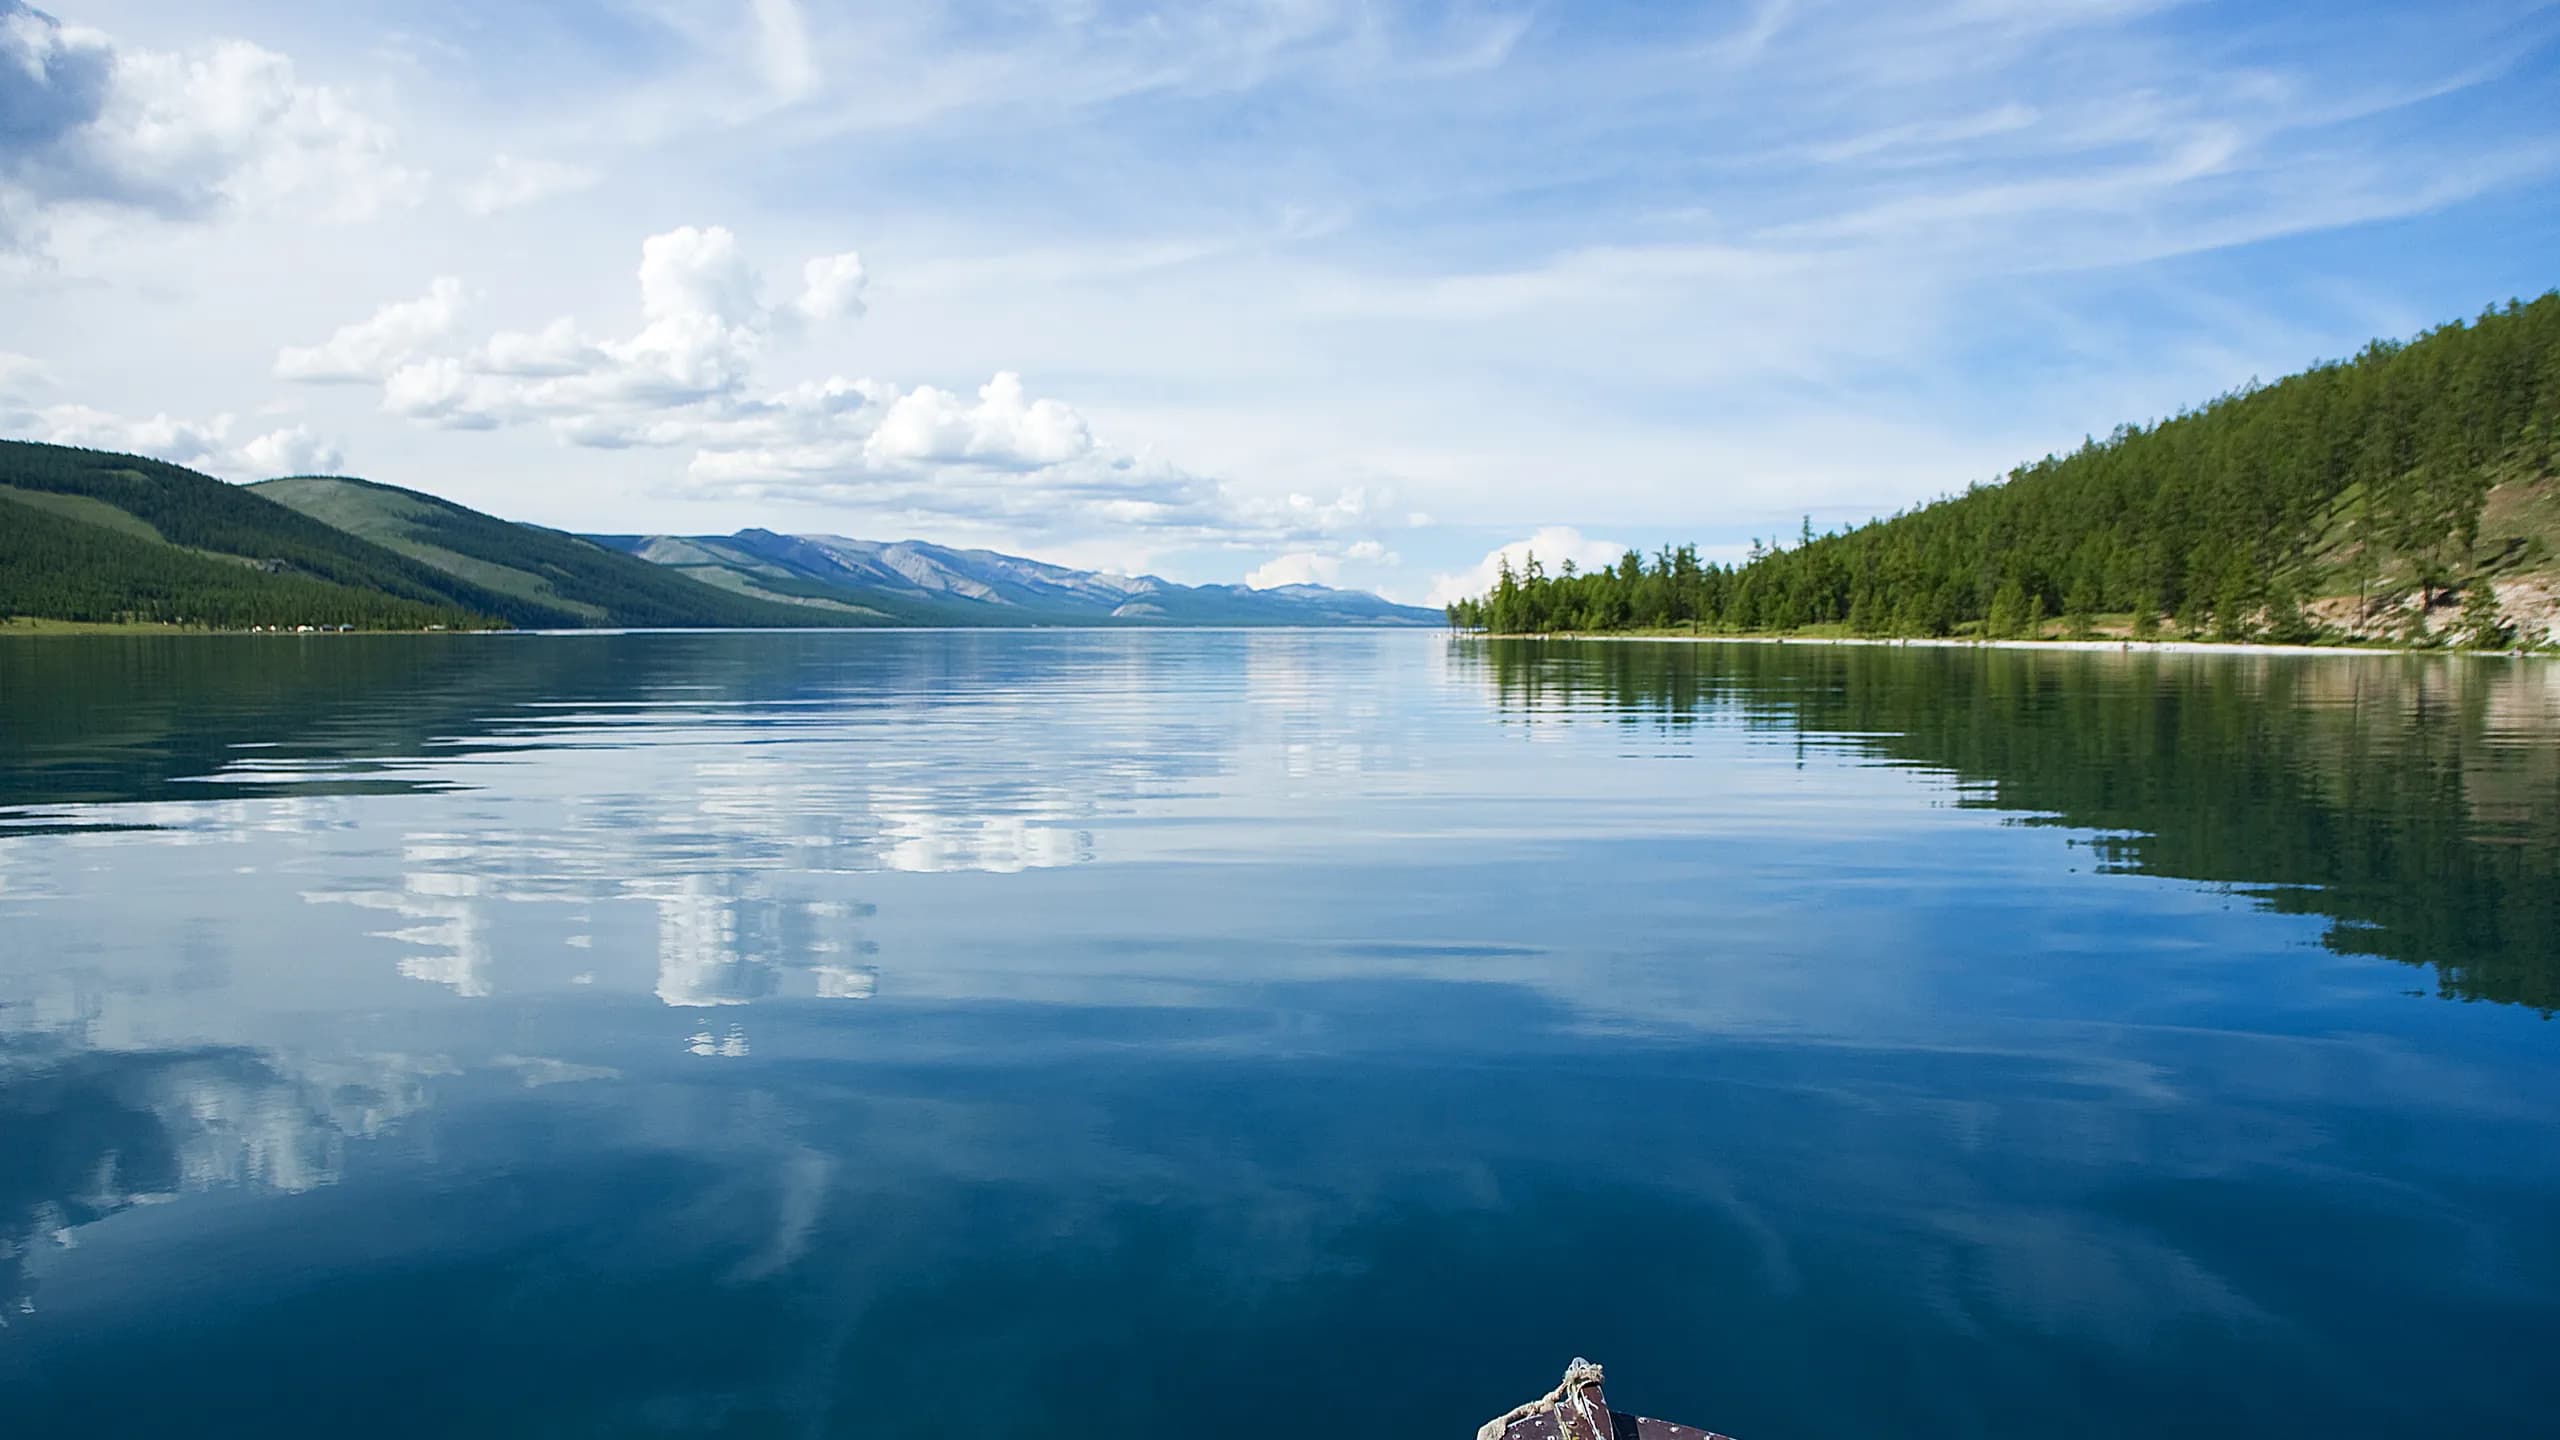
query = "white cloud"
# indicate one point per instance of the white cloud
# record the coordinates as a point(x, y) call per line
point(555, 349)
point(291, 451)
point(441, 391)
point(511, 182)
point(372, 348)
point(704, 321)
point(205, 445)
point(1553, 545)
point(831, 287)
point(1888, 249)
point(687, 379)
point(96, 126)
point(703, 326)
point(1005, 429)
point(1302, 567)
point(164, 437)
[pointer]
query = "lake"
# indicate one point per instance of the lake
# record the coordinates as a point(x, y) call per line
point(1117, 1034)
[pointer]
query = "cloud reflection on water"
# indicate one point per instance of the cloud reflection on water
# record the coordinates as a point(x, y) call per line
point(1280, 994)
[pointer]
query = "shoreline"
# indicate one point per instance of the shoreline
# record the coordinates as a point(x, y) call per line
point(1950, 642)
point(38, 628)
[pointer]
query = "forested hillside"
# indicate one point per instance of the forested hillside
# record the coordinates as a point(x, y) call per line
point(131, 538)
point(120, 538)
point(66, 569)
point(115, 539)
point(2409, 491)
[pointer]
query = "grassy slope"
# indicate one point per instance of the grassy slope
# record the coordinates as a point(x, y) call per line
point(392, 518)
point(86, 509)
point(551, 578)
point(2519, 536)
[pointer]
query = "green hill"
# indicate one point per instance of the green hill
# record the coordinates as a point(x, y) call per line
point(2409, 492)
point(115, 539)
point(103, 537)
point(57, 567)
point(544, 577)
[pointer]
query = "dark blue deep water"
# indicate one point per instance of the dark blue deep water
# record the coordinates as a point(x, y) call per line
point(1271, 1035)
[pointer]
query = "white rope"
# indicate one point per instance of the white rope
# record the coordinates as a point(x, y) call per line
point(1579, 1374)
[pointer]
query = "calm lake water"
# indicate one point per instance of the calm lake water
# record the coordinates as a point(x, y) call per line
point(1153, 1034)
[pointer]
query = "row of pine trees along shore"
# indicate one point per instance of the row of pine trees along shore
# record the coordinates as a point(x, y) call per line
point(2364, 478)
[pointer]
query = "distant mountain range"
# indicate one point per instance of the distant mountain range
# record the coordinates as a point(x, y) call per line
point(989, 587)
point(93, 536)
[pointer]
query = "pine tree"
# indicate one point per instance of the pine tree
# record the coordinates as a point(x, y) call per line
point(2079, 610)
point(2193, 614)
point(2391, 451)
point(2146, 611)
point(1860, 614)
point(2231, 605)
point(2008, 611)
point(2285, 622)
point(2483, 626)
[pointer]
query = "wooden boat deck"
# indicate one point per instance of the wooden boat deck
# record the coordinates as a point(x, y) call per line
point(1622, 1426)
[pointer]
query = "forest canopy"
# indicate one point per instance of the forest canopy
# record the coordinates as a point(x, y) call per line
point(2364, 477)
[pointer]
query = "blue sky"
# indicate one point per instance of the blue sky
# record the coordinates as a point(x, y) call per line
point(1294, 289)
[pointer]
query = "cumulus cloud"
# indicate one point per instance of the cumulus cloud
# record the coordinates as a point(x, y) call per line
point(1005, 429)
point(1553, 545)
point(439, 390)
point(511, 182)
point(687, 378)
point(182, 136)
point(704, 320)
point(372, 348)
point(290, 451)
point(1302, 567)
point(1318, 566)
point(703, 324)
point(831, 287)
point(207, 445)
point(555, 349)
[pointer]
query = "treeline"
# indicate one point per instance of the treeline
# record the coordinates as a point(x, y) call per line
point(65, 569)
point(2357, 474)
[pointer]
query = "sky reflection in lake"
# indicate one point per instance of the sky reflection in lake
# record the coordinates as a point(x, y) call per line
point(1125, 1033)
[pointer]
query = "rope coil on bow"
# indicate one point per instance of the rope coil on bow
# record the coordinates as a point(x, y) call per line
point(1568, 1393)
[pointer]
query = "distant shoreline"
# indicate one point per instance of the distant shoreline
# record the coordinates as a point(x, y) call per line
point(2110, 647)
point(40, 626)
point(21, 625)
